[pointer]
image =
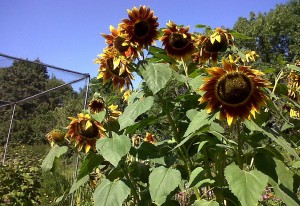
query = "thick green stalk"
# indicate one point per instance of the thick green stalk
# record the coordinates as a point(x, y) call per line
point(240, 146)
point(182, 149)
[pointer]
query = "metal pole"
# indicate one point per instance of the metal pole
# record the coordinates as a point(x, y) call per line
point(8, 134)
point(77, 158)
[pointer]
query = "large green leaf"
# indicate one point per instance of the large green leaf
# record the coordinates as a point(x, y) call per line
point(280, 193)
point(134, 110)
point(205, 203)
point(285, 175)
point(162, 181)
point(56, 151)
point(246, 186)
point(197, 178)
point(78, 183)
point(111, 193)
point(156, 75)
point(114, 148)
point(91, 161)
point(251, 125)
point(199, 120)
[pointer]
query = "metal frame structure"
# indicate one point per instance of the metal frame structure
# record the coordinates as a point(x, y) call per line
point(84, 76)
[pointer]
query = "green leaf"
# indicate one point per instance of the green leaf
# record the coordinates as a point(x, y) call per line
point(199, 120)
point(293, 67)
point(91, 161)
point(156, 76)
point(296, 165)
point(56, 151)
point(114, 148)
point(251, 125)
point(239, 35)
point(196, 82)
point(285, 176)
point(79, 183)
point(99, 116)
point(286, 198)
point(197, 178)
point(205, 203)
point(134, 110)
point(162, 182)
point(246, 186)
point(111, 193)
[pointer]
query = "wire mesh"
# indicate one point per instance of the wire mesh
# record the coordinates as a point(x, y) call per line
point(36, 98)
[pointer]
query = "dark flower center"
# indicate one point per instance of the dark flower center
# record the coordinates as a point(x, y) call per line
point(118, 44)
point(141, 29)
point(177, 41)
point(97, 106)
point(90, 132)
point(234, 88)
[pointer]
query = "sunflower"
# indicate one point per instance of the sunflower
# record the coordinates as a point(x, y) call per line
point(96, 105)
point(210, 46)
point(113, 112)
point(235, 91)
point(141, 26)
point(126, 95)
point(85, 131)
point(150, 138)
point(120, 41)
point(293, 92)
point(178, 41)
point(55, 136)
point(114, 67)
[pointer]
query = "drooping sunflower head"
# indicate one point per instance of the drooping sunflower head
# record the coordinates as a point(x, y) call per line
point(218, 41)
point(113, 112)
point(114, 67)
point(120, 41)
point(96, 105)
point(55, 136)
point(235, 91)
point(141, 26)
point(178, 41)
point(84, 130)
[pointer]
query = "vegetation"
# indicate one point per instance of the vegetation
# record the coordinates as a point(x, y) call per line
point(214, 122)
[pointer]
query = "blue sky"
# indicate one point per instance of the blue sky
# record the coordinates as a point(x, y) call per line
point(66, 33)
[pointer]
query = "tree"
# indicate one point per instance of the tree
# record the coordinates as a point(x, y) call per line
point(274, 33)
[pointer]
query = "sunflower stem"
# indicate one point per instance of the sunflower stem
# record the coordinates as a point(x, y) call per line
point(240, 145)
point(182, 149)
point(185, 68)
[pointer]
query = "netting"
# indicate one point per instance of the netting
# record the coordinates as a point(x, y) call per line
point(34, 99)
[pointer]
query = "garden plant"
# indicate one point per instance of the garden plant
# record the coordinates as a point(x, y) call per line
point(206, 126)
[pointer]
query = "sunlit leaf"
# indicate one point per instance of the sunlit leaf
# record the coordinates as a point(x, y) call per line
point(78, 183)
point(203, 202)
point(246, 186)
point(280, 193)
point(111, 193)
point(293, 67)
point(156, 76)
point(285, 175)
point(162, 182)
point(114, 148)
point(55, 152)
point(134, 110)
point(200, 119)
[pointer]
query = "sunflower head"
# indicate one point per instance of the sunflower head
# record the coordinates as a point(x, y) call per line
point(113, 112)
point(234, 91)
point(120, 41)
point(84, 130)
point(141, 26)
point(294, 92)
point(114, 67)
point(218, 41)
point(150, 138)
point(178, 41)
point(55, 136)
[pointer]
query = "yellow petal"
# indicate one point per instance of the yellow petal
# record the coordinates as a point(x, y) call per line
point(88, 125)
point(229, 119)
point(218, 38)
